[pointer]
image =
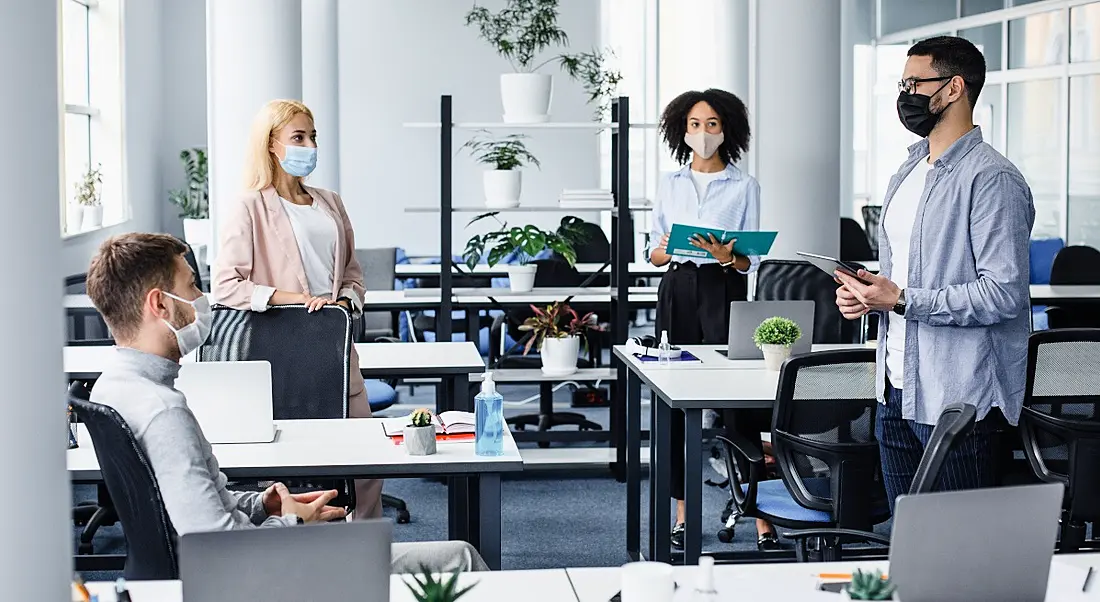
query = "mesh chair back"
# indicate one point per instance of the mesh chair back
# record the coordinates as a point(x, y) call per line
point(823, 427)
point(1061, 416)
point(782, 280)
point(594, 247)
point(379, 272)
point(955, 422)
point(855, 245)
point(150, 537)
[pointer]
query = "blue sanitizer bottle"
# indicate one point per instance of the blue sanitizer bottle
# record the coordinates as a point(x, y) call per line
point(489, 411)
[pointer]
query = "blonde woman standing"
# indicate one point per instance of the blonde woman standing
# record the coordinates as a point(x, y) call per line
point(283, 243)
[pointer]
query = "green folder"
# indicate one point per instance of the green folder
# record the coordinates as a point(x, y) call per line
point(748, 242)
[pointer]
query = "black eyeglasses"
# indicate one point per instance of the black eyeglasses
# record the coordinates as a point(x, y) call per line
point(908, 85)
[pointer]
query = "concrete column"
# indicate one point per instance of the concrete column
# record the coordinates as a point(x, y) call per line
point(36, 560)
point(321, 86)
point(795, 106)
point(253, 55)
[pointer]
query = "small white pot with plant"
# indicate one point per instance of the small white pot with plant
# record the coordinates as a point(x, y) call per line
point(775, 337)
point(869, 586)
point(557, 331)
point(521, 32)
point(419, 435)
point(427, 587)
point(506, 155)
point(523, 243)
point(193, 201)
point(88, 198)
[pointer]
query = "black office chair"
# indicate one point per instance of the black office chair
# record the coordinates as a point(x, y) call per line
point(823, 440)
point(91, 515)
point(1060, 423)
point(855, 245)
point(783, 280)
point(379, 272)
point(955, 422)
point(150, 537)
point(872, 215)
point(1075, 264)
point(189, 256)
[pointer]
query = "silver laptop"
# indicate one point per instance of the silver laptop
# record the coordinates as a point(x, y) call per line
point(745, 316)
point(982, 544)
point(231, 400)
point(338, 561)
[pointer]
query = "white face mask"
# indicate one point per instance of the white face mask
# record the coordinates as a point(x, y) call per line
point(705, 144)
point(192, 336)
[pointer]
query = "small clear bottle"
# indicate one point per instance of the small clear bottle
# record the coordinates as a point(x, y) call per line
point(703, 590)
point(489, 416)
point(664, 350)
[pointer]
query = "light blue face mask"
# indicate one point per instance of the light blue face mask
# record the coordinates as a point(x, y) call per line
point(298, 161)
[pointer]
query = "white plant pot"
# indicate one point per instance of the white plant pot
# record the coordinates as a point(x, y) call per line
point(420, 440)
point(559, 356)
point(526, 97)
point(775, 355)
point(502, 188)
point(521, 278)
point(93, 217)
point(74, 218)
point(199, 233)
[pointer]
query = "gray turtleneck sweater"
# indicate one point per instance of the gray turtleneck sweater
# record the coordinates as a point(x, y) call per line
point(141, 388)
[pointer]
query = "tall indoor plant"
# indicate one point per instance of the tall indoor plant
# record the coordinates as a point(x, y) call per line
point(506, 155)
point(523, 243)
point(193, 200)
point(557, 332)
point(89, 198)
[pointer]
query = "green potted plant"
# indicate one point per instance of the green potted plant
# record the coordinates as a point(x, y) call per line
point(506, 155)
point(523, 243)
point(521, 32)
point(774, 337)
point(426, 588)
point(88, 198)
point(419, 434)
point(193, 201)
point(869, 586)
point(557, 332)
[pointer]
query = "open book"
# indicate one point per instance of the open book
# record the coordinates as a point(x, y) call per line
point(447, 423)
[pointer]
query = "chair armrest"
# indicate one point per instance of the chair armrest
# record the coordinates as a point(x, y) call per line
point(844, 534)
point(386, 340)
point(744, 500)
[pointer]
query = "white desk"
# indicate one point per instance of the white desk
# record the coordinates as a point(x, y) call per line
point(712, 358)
point(475, 297)
point(1069, 293)
point(429, 270)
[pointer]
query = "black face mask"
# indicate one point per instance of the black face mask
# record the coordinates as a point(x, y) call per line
point(915, 112)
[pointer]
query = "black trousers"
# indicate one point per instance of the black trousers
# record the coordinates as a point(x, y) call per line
point(693, 305)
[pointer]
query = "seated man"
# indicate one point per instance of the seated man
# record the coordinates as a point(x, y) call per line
point(145, 290)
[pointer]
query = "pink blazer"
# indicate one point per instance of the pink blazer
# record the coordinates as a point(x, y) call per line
point(256, 246)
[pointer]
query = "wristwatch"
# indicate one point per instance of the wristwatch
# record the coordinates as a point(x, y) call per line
point(899, 307)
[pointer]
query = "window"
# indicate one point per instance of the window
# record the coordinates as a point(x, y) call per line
point(90, 97)
point(988, 39)
point(1038, 40)
point(1036, 138)
point(1085, 33)
point(900, 15)
point(1084, 161)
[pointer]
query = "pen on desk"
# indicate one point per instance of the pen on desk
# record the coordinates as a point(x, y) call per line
point(78, 583)
point(1088, 577)
point(838, 576)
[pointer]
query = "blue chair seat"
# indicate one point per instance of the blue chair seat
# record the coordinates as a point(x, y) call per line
point(380, 395)
point(772, 498)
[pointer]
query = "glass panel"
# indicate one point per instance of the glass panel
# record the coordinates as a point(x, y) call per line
point(987, 114)
point(1084, 161)
point(1036, 137)
point(1085, 33)
point(1037, 41)
point(77, 156)
point(1023, 2)
point(74, 57)
point(975, 7)
point(899, 15)
point(988, 40)
point(890, 140)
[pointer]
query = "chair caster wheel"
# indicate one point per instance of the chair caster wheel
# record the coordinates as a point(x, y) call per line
point(725, 535)
point(403, 517)
point(84, 549)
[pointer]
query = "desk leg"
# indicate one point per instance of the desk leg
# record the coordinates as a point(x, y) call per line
point(458, 488)
point(633, 452)
point(473, 326)
point(693, 486)
point(661, 485)
point(488, 500)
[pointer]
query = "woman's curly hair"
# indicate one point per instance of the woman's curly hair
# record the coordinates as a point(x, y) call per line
point(732, 113)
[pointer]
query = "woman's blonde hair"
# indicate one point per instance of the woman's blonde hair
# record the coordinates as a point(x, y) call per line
point(259, 164)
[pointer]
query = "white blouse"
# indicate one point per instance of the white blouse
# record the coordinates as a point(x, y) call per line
point(315, 231)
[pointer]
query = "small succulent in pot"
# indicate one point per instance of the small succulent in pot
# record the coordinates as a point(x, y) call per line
point(421, 417)
point(870, 586)
point(420, 434)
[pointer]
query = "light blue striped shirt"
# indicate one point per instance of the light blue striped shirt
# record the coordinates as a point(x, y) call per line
point(967, 298)
point(731, 202)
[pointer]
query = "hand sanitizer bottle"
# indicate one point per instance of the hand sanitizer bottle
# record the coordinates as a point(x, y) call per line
point(664, 350)
point(489, 414)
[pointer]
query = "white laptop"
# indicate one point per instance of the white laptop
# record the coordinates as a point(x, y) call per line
point(231, 400)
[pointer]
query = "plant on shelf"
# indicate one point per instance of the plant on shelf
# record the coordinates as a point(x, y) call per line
point(427, 588)
point(503, 182)
point(88, 210)
point(774, 337)
point(870, 586)
point(600, 83)
point(557, 331)
point(194, 200)
point(523, 243)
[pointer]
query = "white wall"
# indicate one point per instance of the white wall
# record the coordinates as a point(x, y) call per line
point(396, 59)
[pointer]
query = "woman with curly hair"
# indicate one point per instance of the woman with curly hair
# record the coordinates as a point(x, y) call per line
point(707, 132)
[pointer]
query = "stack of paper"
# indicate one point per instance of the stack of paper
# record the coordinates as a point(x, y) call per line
point(586, 199)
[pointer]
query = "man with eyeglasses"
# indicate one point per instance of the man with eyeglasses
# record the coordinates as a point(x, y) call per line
point(952, 291)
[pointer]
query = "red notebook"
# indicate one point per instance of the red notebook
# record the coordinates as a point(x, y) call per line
point(449, 426)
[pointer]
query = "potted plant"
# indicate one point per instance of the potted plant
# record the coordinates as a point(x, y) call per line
point(88, 199)
point(520, 33)
point(557, 332)
point(506, 155)
point(193, 201)
point(869, 586)
point(774, 337)
point(524, 244)
point(419, 435)
point(426, 588)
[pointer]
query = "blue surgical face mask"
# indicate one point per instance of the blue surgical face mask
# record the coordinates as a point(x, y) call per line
point(298, 161)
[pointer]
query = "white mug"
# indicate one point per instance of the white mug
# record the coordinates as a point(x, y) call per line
point(647, 582)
